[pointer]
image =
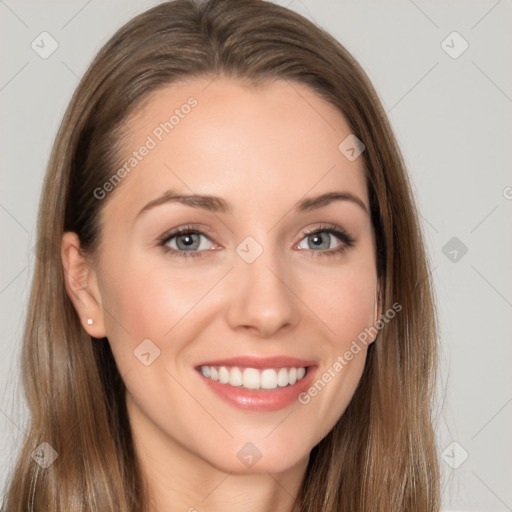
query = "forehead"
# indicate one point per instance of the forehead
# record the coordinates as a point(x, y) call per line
point(255, 145)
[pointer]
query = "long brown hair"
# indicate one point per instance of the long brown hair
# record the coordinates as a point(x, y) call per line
point(381, 455)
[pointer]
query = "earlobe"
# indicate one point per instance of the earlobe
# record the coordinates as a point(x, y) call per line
point(82, 286)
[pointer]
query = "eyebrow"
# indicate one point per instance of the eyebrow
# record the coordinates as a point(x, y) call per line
point(218, 205)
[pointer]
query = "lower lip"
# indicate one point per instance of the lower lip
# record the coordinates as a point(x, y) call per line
point(263, 399)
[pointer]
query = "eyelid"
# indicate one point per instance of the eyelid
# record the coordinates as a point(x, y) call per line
point(188, 228)
point(331, 228)
point(199, 228)
point(345, 238)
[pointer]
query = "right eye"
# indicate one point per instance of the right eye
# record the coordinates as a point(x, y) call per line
point(187, 242)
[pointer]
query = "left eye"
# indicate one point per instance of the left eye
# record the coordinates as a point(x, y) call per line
point(319, 240)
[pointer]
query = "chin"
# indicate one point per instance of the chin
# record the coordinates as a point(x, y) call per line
point(248, 459)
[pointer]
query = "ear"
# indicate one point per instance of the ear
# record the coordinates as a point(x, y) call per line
point(82, 285)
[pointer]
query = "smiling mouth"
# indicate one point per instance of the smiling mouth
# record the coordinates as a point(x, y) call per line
point(253, 378)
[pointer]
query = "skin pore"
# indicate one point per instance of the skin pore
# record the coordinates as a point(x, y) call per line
point(262, 150)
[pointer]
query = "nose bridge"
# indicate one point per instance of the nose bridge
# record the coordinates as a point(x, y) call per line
point(262, 297)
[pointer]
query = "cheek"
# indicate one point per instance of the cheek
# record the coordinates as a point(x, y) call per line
point(343, 299)
point(148, 302)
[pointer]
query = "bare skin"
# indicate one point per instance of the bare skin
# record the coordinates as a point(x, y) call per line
point(263, 150)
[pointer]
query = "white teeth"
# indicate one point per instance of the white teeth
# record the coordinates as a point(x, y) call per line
point(235, 377)
point(252, 378)
point(223, 375)
point(282, 377)
point(268, 379)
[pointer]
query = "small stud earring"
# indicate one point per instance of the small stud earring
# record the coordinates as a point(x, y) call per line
point(89, 321)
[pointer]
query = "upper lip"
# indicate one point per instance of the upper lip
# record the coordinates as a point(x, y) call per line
point(261, 362)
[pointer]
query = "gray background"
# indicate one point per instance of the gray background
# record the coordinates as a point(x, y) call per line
point(452, 117)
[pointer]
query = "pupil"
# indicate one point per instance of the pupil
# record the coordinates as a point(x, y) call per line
point(318, 242)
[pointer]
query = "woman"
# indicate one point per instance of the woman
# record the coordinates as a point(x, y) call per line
point(231, 304)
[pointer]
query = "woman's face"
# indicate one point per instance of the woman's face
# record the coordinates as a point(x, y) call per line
point(246, 282)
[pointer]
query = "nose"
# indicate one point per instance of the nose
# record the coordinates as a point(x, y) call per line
point(262, 300)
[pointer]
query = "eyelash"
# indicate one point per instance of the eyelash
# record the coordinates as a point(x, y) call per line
point(341, 234)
